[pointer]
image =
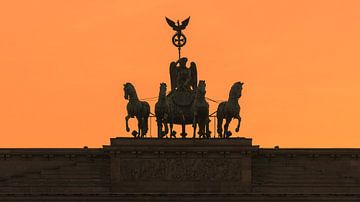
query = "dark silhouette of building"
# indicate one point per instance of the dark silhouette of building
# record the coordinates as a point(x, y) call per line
point(180, 170)
point(164, 169)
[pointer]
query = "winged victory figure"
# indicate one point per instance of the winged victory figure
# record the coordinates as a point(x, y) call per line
point(183, 78)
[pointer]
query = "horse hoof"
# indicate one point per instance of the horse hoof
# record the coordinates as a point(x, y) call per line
point(236, 129)
point(228, 134)
point(127, 129)
point(134, 133)
point(173, 134)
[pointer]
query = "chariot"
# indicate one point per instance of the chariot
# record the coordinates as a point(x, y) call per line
point(186, 103)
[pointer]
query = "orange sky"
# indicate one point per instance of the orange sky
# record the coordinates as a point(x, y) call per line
point(63, 65)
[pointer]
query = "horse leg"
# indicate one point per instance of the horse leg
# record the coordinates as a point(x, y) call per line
point(172, 132)
point(194, 125)
point(201, 129)
point(219, 126)
point(165, 123)
point(166, 131)
point(127, 123)
point(226, 127)
point(238, 125)
point(144, 126)
point(204, 124)
point(139, 127)
point(207, 128)
point(159, 127)
point(144, 116)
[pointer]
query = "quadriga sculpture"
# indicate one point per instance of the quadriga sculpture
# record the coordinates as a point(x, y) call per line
point(163, 114)
point(138, 109)
point(228, 110)
point(200, 109)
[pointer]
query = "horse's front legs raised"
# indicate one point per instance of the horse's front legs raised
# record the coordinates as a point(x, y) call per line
point(238, 125)
point(127, 123)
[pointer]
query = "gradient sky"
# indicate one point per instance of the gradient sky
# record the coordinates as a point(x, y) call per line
point(63, 65)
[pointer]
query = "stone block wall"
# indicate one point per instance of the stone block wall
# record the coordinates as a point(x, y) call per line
point(306, 171)
point(54, 171)
point(180, 170)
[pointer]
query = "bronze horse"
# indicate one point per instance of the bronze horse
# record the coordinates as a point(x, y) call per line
point(138, 109)
point(163, 113)
point(200, 109)
point(228, 110)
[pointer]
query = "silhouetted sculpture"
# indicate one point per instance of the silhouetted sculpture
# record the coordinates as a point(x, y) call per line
point(183, 78)
point(163, 114)
point(179, 39)
point(228, 110)
point(138, 109)
point(186, 103)
point(200, 110)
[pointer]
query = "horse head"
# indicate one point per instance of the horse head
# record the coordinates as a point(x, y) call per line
point(162, 92)
point(129, 91)
point(201, 89)
point(236, 90)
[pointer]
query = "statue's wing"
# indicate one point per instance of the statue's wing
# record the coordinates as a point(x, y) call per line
point(173, 75)
point(184, 23)
point(193, 75)
point(171, 23)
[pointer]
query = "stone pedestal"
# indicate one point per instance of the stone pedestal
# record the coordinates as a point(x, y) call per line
point(180, 165)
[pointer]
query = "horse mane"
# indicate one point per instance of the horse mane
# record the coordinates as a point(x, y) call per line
point(131, 86)
point(201, 86)
point(162, 86)
point(234, 89)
